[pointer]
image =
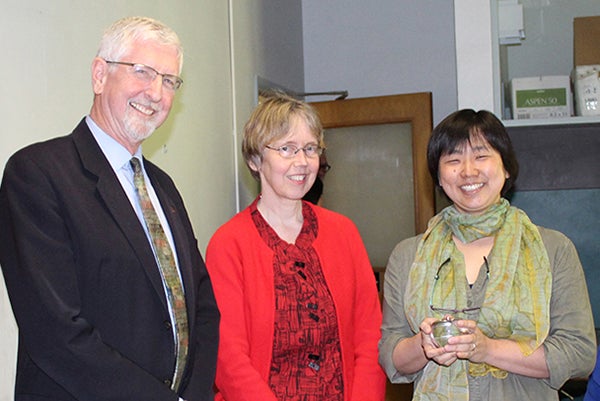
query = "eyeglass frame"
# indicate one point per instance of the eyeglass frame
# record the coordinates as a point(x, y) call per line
point(325, 167)
point(318, 150)
point(453, 311)
point(177, 81)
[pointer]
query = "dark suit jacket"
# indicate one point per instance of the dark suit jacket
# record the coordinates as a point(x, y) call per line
point(84, 285)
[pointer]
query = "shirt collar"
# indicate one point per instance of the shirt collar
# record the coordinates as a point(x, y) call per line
point(115, 153)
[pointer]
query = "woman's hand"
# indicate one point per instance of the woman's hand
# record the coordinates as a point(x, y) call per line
point(504, 354)
point(441, 355)
point(472, 345)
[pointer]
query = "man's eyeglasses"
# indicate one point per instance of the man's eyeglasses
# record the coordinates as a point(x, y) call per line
point(290, 151)
point(148, 74)
point(455, 311)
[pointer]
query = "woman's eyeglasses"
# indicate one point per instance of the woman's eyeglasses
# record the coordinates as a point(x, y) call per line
point(290, 151)
point(453, 311)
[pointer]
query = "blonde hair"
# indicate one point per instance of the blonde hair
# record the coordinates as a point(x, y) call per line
point(271, 121)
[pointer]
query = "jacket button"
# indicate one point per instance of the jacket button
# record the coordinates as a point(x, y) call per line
point(167, 382)
point(167, 324)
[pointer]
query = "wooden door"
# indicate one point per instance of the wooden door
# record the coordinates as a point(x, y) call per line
point(357, 164)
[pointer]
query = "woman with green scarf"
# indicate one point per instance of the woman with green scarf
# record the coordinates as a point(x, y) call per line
point(516, 291)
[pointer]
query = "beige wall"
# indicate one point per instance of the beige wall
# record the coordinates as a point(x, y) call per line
point(267, 46)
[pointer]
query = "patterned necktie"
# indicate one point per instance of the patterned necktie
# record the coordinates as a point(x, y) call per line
point(168, 270)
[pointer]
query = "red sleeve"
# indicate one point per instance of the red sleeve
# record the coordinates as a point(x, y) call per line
point(369, 377)
point(237, 377)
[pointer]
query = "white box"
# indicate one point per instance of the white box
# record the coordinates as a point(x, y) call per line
point(586, 89)
point(541, 97)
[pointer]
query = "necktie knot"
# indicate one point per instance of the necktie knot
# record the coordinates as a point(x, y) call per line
point(135, 165)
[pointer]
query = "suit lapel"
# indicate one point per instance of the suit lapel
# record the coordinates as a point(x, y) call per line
point(116, 201)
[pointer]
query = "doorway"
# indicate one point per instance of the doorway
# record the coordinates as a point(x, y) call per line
point(379, 177)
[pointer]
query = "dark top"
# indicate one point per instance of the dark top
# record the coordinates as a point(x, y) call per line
point(306, 361)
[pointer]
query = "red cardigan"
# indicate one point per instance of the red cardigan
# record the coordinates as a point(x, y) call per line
point(240, 267)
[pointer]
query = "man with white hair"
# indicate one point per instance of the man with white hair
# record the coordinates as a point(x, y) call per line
point(110, 293)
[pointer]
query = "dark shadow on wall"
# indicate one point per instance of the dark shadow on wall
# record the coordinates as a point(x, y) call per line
point(575, 213)
point(559, 187)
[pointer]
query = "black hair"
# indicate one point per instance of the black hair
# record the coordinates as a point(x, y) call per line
point(459, 129)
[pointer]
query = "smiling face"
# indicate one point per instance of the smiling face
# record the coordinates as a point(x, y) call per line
point(472, 176)
point(288, 179)
point(125, 107)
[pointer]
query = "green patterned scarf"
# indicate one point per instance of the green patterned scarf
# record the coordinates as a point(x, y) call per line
point(517, 298)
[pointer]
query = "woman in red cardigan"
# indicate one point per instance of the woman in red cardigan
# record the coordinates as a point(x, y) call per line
point(297, 294)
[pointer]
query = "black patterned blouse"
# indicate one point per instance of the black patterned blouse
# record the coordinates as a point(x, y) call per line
point(306, 363)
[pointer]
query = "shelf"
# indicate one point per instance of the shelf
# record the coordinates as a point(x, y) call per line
point(552, 121)
point(546, 50)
